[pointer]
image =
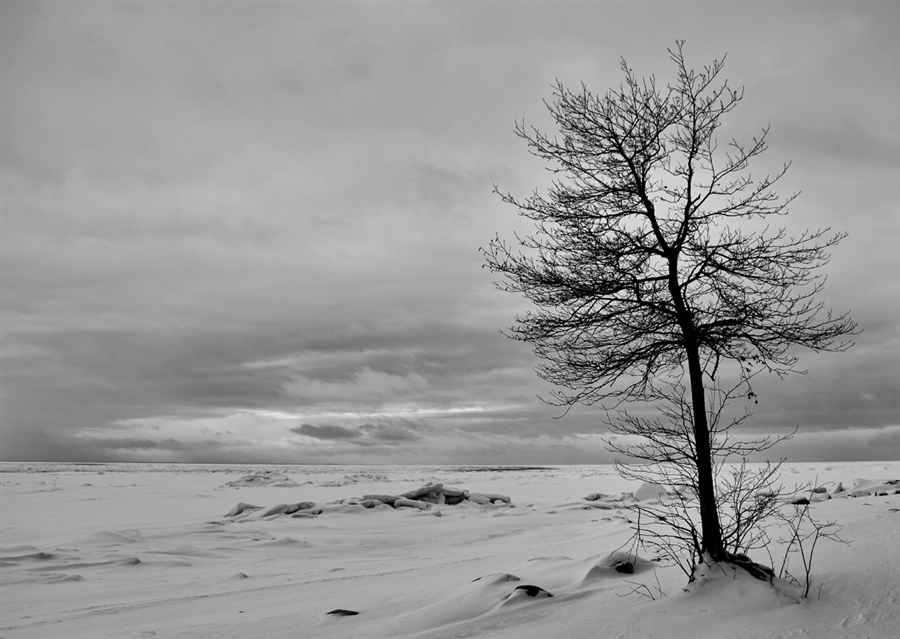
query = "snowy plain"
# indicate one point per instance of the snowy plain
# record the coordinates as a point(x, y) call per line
point(147, 550)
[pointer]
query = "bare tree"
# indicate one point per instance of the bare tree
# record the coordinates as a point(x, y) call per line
point(662, 451)
point(804, 532)
point(636, 269)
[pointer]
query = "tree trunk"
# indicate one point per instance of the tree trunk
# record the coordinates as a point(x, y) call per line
point(711, 531)
point(711, 544)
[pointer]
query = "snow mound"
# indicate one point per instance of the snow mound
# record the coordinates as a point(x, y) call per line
point(644, 492)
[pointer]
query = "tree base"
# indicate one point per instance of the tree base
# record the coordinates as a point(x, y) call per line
point(757, 571)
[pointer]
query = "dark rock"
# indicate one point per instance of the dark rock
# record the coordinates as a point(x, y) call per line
point(623, 562)
point(759, 571)
point(533, 591)
point(340, 612)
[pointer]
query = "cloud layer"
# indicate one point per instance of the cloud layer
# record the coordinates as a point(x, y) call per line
point(250, 232)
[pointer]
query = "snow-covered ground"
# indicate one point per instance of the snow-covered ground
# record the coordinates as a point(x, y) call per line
point(124, 550)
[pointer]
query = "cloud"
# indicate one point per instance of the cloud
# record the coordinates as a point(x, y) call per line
point(385, 431)
point(263, 437)
point(204, 232)
point(396, 430)
point(325, 432)
point(140, 445)
point(366, 386)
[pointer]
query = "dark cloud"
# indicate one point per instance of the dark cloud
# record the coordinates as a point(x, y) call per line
point(386, 431)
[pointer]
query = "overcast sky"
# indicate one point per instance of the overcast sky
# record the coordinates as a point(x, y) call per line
point(249, 232)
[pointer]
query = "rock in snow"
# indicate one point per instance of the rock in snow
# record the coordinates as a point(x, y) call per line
point(423, 498)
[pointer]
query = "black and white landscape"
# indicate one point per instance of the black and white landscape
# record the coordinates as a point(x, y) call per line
point(128, 550)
